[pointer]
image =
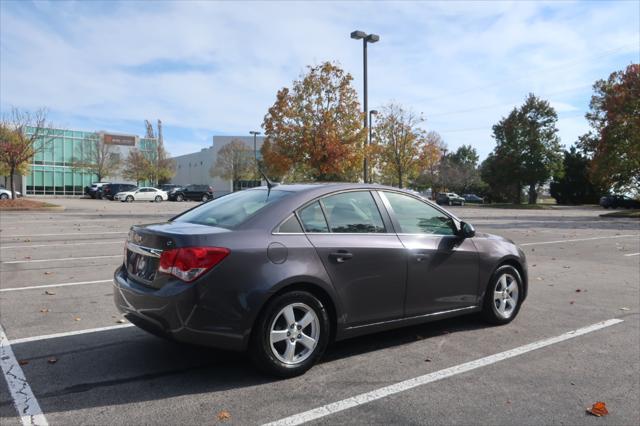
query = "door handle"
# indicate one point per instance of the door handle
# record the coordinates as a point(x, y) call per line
point(341, 256)
point(420, 257)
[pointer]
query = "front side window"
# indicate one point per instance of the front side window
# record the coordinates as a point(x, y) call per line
point(417, 217)
point(232, 210)
point(353, 212)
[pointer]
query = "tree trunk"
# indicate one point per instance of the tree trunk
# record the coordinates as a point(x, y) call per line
point(400, 179)
point(13, 187)
point(533, 194)
point(518, 193)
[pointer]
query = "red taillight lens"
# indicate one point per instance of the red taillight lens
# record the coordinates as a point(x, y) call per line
point(188, 263)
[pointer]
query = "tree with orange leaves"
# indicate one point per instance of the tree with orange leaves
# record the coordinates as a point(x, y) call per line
point(314, 130)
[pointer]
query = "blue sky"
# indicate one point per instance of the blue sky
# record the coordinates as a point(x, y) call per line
point(213, 68)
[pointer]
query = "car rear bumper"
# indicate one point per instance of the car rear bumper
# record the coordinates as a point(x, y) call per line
point(173, 311)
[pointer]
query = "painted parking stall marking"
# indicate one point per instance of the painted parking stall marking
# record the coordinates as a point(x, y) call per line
point(69, 333)
point(37, 287)
point(406, 385)
point(23, 398)
point(14, 262)
point(579, 239)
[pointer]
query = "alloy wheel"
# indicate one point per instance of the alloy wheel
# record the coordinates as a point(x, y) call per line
point(294, 333)
point(505, 296)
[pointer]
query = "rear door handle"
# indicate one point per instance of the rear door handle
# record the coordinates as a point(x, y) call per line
point(341, 256)
point(420, 256)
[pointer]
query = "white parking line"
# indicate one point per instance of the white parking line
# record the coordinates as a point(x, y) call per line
point(62, 244)
point(579, 239)
point(632, 254)
point(35, 287)
point(13, 262)
point(65, 234)
point(68, 333)
point(23, 398)
point(365, 398)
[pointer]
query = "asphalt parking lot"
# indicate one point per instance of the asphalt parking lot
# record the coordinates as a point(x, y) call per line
point(81, 365)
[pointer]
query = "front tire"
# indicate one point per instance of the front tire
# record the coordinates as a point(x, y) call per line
point(158, 198)
point(129, 198)
point(503, 297)
point(205, 198)
point(179, 197)
point(290, 335)
point(4, 196)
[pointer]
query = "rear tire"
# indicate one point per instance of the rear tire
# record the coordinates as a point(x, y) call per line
point(290, 335)
point(205, 198)
point(4, 196)
point(503, 297)
point(179, 197)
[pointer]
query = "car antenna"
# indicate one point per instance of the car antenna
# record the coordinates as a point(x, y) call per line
point(269, 183)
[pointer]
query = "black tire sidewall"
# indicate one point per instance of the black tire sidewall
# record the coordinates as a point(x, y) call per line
point(158, 198)
point(260, 348)
point(487, 306)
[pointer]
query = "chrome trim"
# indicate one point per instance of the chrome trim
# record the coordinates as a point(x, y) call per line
point(145, 251)
point(410, 318)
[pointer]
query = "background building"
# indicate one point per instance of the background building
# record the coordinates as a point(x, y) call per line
point(52, 171)
point(195, 168)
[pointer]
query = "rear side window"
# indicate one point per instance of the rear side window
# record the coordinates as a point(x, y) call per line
point(233, 209)
point(313, 219)
point(353, 212)
point(417, 217)
point(290, 226)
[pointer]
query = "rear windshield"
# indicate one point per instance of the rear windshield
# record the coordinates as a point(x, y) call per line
point(233, 209)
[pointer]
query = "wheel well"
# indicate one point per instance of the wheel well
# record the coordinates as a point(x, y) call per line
point(318, 292)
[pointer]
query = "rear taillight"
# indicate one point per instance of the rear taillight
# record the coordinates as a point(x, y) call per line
point(188, 263)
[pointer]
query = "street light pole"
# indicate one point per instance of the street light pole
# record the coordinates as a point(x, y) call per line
point(255, 149)
point(366, 38)
point(371, 114)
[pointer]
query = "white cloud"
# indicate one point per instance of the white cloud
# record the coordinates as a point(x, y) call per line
point(218, 65)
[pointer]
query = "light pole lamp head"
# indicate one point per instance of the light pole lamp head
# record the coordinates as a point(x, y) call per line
point(373, 112)
point(254, 133)
point(357, 35)
point(373, 38)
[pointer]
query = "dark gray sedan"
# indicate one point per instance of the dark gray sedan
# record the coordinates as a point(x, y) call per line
point(284, 271)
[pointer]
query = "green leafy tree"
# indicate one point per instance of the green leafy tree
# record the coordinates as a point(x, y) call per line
point(459, 170)
point(235, 161)
point(22, 135)
point(399, 141)
point(314, 130)
point(572, 185)
point(528, 143)
point(614, 140)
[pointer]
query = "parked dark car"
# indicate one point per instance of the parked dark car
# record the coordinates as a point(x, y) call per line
point(168, 187)
point(283, 271)
point(450, 199)
point(95, 189)
point(191, 192)
point(109, 190)
point(617, 201)
point(473, 198)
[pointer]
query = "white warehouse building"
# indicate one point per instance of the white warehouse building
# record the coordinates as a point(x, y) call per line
point(195, 168)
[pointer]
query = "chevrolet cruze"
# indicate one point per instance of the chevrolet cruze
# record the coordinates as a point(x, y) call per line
point(283, 271)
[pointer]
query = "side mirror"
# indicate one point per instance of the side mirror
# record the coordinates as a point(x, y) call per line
point(467, 230)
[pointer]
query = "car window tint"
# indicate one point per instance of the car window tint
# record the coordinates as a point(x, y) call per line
point(290, 225)
point(353, 212)
point(417, 217)
point(232, 210)
point(313, 219)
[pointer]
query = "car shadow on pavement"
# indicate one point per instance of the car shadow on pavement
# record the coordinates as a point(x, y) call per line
point(127, 365)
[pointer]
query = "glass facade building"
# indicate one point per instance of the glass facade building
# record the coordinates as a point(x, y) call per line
point(53, 170)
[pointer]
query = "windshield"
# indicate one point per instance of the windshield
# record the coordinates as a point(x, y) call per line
point(233, 209)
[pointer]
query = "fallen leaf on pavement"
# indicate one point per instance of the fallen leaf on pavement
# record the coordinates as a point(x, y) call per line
point(572, 302)
point(625, 309)
point(44, 310)
point(224, 415)
point(52, 360)
point(121, 321)
point(578, 290)
point(76, 319)
point(49, 292)
point(27, 257)
point(427, 360)
point(567, 267)
point(598, 409)
point(23, 361)
point(48, 273)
